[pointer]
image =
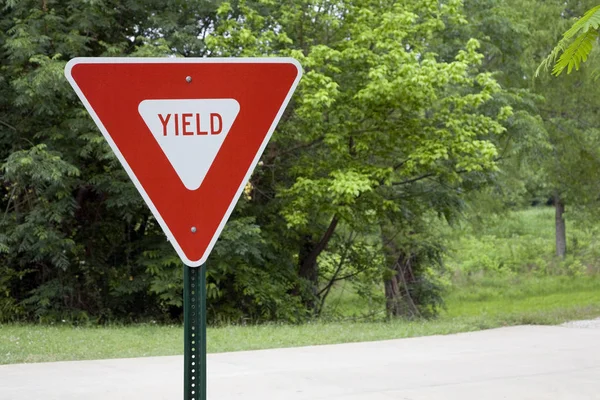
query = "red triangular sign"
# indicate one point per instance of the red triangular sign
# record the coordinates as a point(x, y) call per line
point(189, 132)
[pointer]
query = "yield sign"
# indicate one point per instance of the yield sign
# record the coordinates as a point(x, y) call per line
point(188, 131)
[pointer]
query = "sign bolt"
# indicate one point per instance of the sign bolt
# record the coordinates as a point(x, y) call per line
point(188, 79)
point(193, 229)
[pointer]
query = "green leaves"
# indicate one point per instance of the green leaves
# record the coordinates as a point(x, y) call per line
point(574, 51)
point(589, 21)
point(384, 133)
point(74, 229)
point(38, 167)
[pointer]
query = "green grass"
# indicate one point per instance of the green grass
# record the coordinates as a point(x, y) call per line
point(499, 279)
point(519, 296)
point(27, 343)
point(40, 343)
point(491, 304)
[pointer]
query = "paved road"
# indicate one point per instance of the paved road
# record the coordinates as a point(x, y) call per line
point(515, 363)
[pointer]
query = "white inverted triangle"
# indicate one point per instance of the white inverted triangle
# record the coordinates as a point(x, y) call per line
point(191, 149)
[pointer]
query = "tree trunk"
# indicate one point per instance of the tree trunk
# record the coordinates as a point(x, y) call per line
point(398, 300)
point(308, 267)
point(560, 228)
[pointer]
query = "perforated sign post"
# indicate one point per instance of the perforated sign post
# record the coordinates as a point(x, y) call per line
point(189, 133)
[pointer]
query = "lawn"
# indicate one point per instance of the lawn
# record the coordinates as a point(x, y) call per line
point(568, 299)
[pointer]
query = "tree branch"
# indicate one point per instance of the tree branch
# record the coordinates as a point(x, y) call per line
point(8, 125)
point(311, 258)
point(413, 180)
point(302, 146)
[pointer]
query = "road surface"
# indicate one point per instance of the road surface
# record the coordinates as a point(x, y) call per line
point(525, 362)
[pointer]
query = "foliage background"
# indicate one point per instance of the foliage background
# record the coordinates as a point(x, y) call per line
point(411, 117)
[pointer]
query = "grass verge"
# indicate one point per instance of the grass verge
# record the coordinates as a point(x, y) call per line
point(550, 300)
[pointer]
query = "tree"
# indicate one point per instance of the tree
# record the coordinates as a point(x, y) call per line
point(380, 135)
point(386, 133)
point(572, 156)
point(553, 151)
point(59, 179)
point(76, 240)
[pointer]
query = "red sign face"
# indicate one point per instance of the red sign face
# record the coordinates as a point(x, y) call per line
point(189, 132)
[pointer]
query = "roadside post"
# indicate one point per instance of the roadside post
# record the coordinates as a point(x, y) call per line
point(188, 132)
point(194, 334)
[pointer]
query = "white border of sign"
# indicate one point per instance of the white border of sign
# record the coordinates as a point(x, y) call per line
point(152, 60)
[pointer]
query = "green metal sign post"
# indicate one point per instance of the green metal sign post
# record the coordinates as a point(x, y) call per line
point(194, 316)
